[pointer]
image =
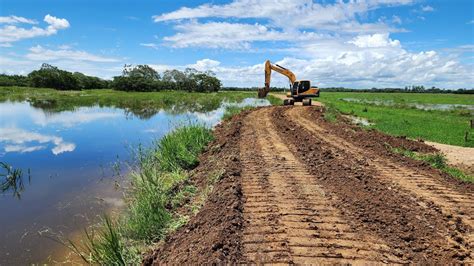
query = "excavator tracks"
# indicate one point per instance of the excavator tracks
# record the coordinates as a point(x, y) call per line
point(288, 217)
point(457, 206)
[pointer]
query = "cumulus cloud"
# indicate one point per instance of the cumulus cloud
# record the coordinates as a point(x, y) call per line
point(19, 140)
point(205, 64)
point(12, 33)
point(40, 53)
point(375, 40)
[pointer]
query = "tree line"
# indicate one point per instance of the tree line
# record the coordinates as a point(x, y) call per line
point(134, 78)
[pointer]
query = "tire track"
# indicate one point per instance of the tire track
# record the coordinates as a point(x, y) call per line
point(458, 206)
point(288, 217)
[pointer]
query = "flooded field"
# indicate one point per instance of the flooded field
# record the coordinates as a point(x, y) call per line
point(72, 163)
point(421, 106)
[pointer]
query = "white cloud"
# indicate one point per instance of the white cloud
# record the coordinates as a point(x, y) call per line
point(284, 21)
point(63, 147)
point(283, 14)
point(15, 20)
point(229, 35)
point(12, 33)
point(471, 22)
point(427, 8)
point(205, 64)
point(56, 23)
point(19, 65)
point(150, 45)
point(375, 40)
point(17, 140)
point(40, 53)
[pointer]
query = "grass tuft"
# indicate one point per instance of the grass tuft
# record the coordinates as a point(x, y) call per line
point(330, 112)
point(438, 161)
point(180, 149)
point(105, 246)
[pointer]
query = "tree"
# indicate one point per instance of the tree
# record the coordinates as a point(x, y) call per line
point(49, 76)
point(13, 80)
point(143, 71)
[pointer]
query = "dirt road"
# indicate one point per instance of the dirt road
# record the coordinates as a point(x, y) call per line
point(309, 192)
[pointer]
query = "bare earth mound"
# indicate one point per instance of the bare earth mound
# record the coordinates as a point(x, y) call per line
point(298, 189)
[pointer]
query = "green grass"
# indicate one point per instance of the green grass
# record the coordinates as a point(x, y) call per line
point(181, 148)
point(437, 160)
point(105, 246)
point(447, 127)
point(230, 111)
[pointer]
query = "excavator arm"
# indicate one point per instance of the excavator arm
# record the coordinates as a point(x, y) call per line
point(268, 75)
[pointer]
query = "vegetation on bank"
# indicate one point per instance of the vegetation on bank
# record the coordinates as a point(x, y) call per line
point(438, 161)
point(158, 188)
point(399, 114)
point(138, 78)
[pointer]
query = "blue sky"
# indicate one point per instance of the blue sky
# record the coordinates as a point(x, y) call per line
point(334, 43)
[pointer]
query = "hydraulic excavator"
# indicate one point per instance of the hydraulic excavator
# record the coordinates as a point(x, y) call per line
point(300, 90)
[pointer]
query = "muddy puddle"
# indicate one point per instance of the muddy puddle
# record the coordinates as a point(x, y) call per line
point(70, 163)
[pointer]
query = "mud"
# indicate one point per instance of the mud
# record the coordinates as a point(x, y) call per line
point(297, 189)
point(214, 234)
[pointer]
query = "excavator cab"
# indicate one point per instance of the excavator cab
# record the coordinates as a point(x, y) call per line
point(300, 87)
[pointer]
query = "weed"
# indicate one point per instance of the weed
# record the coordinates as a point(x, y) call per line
point(330, 113)
point(105, 246)
point(12, 180)
point(437, 160)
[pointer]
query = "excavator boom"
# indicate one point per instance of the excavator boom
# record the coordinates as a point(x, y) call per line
point(268, 75)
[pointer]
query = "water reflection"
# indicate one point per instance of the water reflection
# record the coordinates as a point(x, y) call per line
point(72, 152)
point(18, 140)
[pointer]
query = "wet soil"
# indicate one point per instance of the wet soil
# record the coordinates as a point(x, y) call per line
point(298, 189)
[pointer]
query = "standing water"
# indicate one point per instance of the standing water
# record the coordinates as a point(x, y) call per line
point(69, 162)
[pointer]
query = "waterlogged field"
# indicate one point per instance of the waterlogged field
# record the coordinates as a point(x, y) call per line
point(71, 151)
point(443, 118)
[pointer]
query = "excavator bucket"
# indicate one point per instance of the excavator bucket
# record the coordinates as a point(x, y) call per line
point(262, 93)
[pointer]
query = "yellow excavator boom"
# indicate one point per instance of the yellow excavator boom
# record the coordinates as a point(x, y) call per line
point(268, 75)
